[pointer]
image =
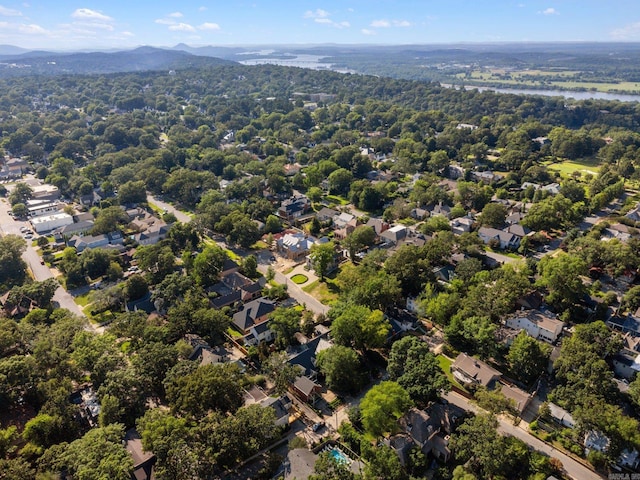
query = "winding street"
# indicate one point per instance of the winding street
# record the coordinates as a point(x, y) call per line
point(573, 468)
point(40, 272)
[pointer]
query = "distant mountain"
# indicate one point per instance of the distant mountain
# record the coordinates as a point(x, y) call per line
point(137, 60)
point(211, 51)
point(12, 50)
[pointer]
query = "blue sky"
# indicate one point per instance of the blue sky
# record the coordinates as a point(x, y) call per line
point(73, 25)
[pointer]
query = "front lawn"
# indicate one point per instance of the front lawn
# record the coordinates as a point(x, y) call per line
point(445, 366)
point(325, 292)
point(299, 279)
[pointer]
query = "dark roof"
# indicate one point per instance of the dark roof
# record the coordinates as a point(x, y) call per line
point(251, 311)
point(235, 280)
point(229, 265)
point(305, 385)
point(226, 300)
point(306, 354)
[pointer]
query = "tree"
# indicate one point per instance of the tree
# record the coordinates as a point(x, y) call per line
point(363, 236)
point(477, 441)
point(322, 256)
point(136, 287)
point(383, 463)
point(20, 210)
point(281, 371)
point(153, 360)
point(341, 367)
point(109, 219)
point(382, 406)
point(14, 269)
point(527, 358)
point(285, 323)
point(209, 388)
point(359, 327)
point(494, 401)
point(417, 370)
point(561, 275)
point(493, 215)
point(169, 438)
point(250, 266)
point(98, 454)
point(208, 265)
point(20, 194)
point(340, 181)
point(132, 192)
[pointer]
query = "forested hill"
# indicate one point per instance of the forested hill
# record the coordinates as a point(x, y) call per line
point(138, 60)
point(237, 93)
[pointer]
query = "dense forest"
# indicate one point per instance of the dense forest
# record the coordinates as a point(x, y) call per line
point(230, 145)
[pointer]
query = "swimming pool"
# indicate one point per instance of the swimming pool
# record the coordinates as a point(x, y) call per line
point(339, 456)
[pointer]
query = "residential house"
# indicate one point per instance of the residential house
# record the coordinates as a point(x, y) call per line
point(519, 397)
point(295, 246)
point(343, 232)
point(305, 355)
point(259, 333)
point(326, 215)
point(203, 353)
point(441, 209)
point(306, 389)
point(456, 171)
point(79, 228)
point(253, 313)
point(506, 240)
point(394, 235)
point(594, 440)
point(561, 416)
point(471, 371)
point(486, 177)
point(461, 225)
point(94, 241)
point(152, 235)
point(519, 231)
point(629, 324)
point(378, 225)
point(537, 325)
point(343, 219)
point(514, 218)
point(281, 406)
point(294, 207)
point(552, 188)
point(626, 365)
point(634, 214)
point(13, 168)
point(419, 213)
point(143, 461)
point(229, 267)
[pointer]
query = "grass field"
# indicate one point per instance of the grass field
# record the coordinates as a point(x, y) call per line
point(299, 279)
point(336, 199)
point(445, 366)
point(325, 292)
point(523, 79)
point(586, 165)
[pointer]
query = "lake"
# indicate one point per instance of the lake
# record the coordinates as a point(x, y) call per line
point(556, 93)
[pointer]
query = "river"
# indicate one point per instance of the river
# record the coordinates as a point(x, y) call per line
point(621, 97)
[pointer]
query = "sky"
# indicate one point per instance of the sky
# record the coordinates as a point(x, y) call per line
point(91, 24)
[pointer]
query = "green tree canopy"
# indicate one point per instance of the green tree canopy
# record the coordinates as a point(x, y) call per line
point(382, 406)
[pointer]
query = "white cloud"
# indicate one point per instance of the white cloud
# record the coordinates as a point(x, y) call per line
point(383, 23)
point(9, 12)
point(85, 13)
point(100, 26)
point(327, 21)
point(380, 24)
point(127, 34)
point(550, 11)
point(164, 21)
point(209, 26)
point(32, 29)
point(366, 31)
point(175, 15)
point(202, 9)
point(182, 27)
point(628, 32)
point(318, 13)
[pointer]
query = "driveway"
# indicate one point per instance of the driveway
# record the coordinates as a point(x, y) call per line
point(573, 468)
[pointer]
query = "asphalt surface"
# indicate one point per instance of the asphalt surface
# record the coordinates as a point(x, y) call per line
point(573, 468)
point(40, 272)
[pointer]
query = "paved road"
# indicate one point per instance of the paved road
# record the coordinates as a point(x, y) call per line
point(573, 468)
point(9, 226)
point(181, 216)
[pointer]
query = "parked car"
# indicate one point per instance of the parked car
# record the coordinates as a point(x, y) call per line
point(317, 426)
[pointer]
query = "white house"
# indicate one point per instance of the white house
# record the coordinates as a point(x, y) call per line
point(537, 325)
point(506, 239)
